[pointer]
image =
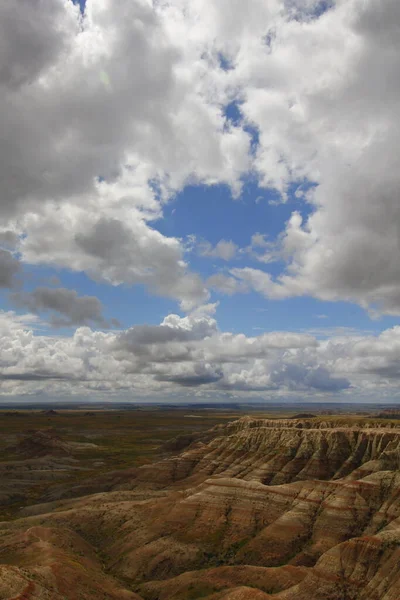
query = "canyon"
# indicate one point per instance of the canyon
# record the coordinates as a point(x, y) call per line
point(303, 508)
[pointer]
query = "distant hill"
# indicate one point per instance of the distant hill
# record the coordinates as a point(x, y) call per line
point(304, 416)
point(388, 413)
point(46, 442)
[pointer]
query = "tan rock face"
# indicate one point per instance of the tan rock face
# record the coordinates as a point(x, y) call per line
point(288, 509)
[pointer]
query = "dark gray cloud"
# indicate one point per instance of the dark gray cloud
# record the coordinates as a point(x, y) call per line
point(298, 376)
point(174, 330)
point(194, 380)
point(9, 267)
point(8, 239)
point(25, 51)
point(108, 239)
point(135, 253)
point(153, 334)
point(385, 371)
point(65, 306)
point(34, 376)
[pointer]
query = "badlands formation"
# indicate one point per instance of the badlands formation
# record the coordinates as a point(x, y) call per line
point(296, 509)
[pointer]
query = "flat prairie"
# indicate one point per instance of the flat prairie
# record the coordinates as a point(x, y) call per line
point(96, 442)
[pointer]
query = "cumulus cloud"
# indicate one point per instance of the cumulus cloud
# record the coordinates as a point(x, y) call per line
point(196, 375)
point(296, 377)
point(121, 248)
point(191, 352)
point(66, 307)
point(180, 353)
point(262, 249)
point(258, 280)
point(227, 284)
point(224, 249)
point(90, 134)
point(323, 99)
point(101, 122)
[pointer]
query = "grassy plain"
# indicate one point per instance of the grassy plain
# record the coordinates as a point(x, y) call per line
point(122, 439)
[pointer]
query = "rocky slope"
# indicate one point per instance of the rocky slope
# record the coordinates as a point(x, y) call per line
point(288, 509)
point(37, 458)
point(46, 442)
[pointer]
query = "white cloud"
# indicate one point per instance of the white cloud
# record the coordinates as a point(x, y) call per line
point(148, 360)
point(226, 284)
point(113, 242)
point(160, 360)
point(105, 118)
point(324, 99)
point(224, 249)
point(259, 281)
point(262, 249)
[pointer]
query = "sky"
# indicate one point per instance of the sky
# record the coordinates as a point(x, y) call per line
point(200, 200)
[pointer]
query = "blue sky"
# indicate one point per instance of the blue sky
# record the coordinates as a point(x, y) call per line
point(195, 204)
point(210, 213)
point(82, 4)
